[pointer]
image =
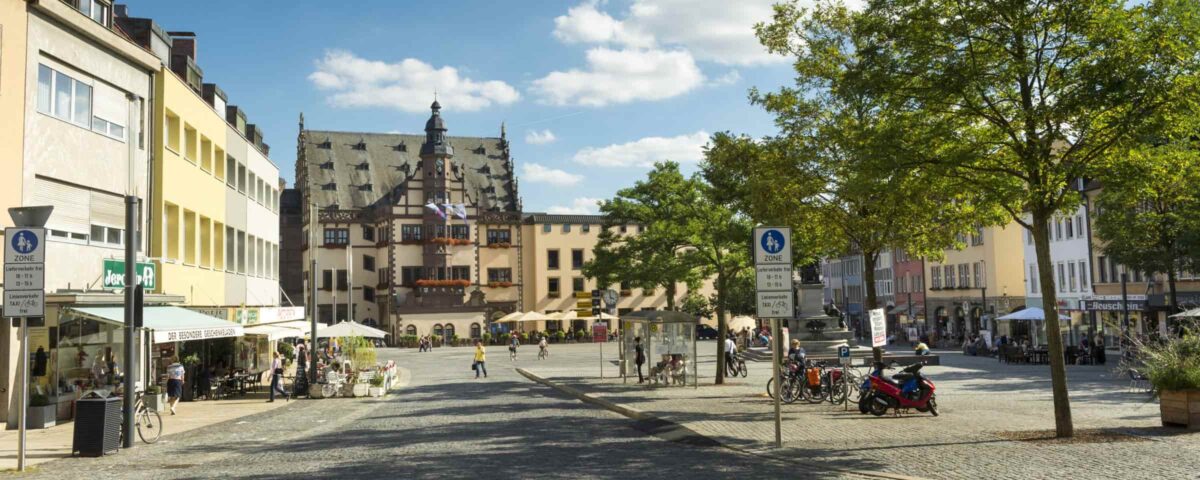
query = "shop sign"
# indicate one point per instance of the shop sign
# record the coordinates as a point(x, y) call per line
point(114, 274)
point(1112, 306)
point(196, 334)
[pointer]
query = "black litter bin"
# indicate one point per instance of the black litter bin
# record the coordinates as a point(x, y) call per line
point(97, 426)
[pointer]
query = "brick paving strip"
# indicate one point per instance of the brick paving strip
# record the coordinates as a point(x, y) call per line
point(991, 423)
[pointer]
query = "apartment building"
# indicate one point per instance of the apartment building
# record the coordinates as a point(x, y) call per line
point(982, 279)
point(1070, 256)
point(909, 275)
point(73, 97)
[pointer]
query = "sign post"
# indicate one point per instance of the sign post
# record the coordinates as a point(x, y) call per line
point(878, 328)
point(24, 296)
point(774, 297)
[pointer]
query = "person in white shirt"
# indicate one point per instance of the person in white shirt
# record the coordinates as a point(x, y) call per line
point(542, 347)
point(730, 349)
point(277, 378)
point(175, 376)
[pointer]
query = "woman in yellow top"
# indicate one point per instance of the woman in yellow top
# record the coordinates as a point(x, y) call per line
point(480, 360)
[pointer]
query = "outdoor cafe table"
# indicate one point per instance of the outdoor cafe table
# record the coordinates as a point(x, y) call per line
point(1039, 356)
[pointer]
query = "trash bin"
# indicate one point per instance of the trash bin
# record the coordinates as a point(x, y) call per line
point(97, 425)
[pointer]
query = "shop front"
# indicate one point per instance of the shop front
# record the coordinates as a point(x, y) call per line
point(1107, 313)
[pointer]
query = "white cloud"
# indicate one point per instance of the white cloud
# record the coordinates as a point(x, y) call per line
point(729, 78)
point(579, 206)
point(536, 173)
point(719, 31)
point(644, 152)
point(543, 137)
point(585, 24)
point(621, 76)
point(407, 85)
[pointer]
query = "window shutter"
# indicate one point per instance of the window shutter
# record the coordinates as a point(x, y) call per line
point(110, 104)
point(108, 210)
point(71, 208)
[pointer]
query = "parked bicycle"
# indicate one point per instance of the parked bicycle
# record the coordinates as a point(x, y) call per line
point(146, 421)
point(737, 366)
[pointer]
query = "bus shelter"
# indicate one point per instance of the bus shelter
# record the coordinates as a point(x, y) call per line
point(669, 340)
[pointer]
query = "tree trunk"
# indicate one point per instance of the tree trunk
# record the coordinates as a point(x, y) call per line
point(872, 302)
point(722, 328)
point(670, 288)
point(1174, 306)
point(1063, 425)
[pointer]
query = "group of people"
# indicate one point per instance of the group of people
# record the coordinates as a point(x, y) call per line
point(746, 335)
point(424, 344)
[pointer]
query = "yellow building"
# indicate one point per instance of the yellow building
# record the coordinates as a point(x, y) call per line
point(971, 284)
point(13, 20)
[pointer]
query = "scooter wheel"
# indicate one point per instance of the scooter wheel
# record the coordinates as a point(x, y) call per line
point(878, 408)
point(864, 404)
point(933, 406)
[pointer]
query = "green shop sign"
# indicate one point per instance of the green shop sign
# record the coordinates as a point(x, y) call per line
point(114, 274)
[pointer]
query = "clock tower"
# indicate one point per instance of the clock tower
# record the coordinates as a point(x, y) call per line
point(437, 185)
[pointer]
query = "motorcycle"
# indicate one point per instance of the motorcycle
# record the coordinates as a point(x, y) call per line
point(865, 394)
point(907, 389)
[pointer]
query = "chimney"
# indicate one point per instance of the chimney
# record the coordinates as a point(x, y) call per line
point(184, 43)
point(120, 10)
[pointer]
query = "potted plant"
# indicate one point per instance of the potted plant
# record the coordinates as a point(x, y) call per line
point(1173, 368)
point(155, 398)
point(486, 337)
point(579, 334)
point(42, 412)
point(376, 389)
point(560, 335)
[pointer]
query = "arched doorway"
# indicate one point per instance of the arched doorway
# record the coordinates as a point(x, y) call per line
point(438, 331)
point(475, 330)
point(449, 332)
point(410, 330)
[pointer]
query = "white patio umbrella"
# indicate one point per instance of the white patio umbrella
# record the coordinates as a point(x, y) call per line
point(565, 316)
point(351, 329)
point(742, 321)
point(1031, 313)
point(509, 318)
point(531, 317)
point(602, 316)
point(1193, 313)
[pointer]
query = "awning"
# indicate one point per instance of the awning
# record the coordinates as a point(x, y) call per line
point(273, 332)
point(1195, 312)
point(898, 309)
point(169, 324)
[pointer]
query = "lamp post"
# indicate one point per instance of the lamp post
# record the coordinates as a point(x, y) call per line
point(33, 217)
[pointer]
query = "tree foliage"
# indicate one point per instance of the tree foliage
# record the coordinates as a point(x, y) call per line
point(1031, 95)
point(1149, 210)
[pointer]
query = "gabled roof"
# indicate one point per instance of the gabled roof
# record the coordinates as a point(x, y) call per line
point(350, 160)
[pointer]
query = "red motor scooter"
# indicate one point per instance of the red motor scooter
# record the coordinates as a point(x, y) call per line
point(909, 389)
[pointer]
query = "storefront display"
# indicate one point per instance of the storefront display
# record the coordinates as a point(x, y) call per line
point(88, 354)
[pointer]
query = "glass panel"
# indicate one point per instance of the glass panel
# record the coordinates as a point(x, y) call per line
point(45, 84)
point(83, 104)
point(116, 131)
point(88, 355)
point(98, 233)
point(114, 235)
point(62, 96)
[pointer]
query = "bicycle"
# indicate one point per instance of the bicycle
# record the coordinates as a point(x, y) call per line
point(543, 353)
point(512, 354)
point(146, 421)
point(736, 367)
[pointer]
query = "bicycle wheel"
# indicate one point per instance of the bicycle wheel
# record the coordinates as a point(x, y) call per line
point(792, 390)
point(149, 425)
point(770, 387)
point(838, 391)
point(742, 368)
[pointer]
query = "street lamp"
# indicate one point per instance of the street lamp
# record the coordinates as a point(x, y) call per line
point(30, 217)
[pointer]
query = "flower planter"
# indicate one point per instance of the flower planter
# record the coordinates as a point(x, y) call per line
point(156, 402)
point(41, 417)
point(360, 389)
point(375, 391)
point(1180, 408)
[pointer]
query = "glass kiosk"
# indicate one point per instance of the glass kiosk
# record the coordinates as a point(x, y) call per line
point(669, 340)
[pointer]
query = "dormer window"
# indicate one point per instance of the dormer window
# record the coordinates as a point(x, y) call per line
point(363, 166)
point(329, 186)
point(326, 145)
point(400, 147)
point(486, 169)
point(364, 188)
point(361, 145)
point(327, 165)
point(480, 150)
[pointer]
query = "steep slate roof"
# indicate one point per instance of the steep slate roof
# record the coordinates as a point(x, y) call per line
point(484, 161)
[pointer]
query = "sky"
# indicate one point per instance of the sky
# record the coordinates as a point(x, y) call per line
point(592, 92)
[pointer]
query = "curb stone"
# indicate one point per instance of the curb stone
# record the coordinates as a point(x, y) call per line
point(647, 417)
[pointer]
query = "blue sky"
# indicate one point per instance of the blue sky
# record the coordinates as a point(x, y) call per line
point(617, 84)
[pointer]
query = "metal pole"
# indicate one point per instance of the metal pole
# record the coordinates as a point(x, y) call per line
point(312, 271)
point(131, 211)
point(1124, 311)
point(24, 405)
point(778, 390)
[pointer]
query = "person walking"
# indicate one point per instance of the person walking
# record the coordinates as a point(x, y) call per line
point(480, 364)
point(175, 375)
point(513, 343)
point(639, 357)
point(542, 352)
point(277, 379)
point(1099, 355)
point(730, 350)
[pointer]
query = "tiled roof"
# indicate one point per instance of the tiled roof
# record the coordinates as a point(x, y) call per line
point(338, 166)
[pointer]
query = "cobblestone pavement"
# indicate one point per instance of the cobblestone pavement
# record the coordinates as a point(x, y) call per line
point(978, 398)
point(444, 424)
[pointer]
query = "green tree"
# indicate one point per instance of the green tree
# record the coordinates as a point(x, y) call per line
point(1149, 210)
point(1033, 95)
point(652, 258)
point(839, 171)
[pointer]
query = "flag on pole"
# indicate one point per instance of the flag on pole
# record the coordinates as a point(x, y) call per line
point(449, 208)
point(434, 207)
point(460, 210)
